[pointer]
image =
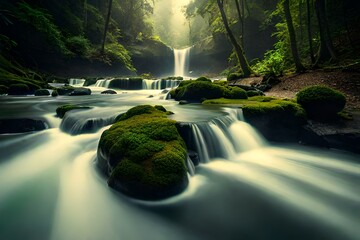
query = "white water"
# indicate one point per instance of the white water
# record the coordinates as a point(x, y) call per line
point(243, 189)
point(182, 61)
point(103, 83)
point(76, 82)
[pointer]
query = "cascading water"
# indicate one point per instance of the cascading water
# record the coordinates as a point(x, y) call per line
point(103, 83)
point(144, 84)
point(76, 82)
point(182, 61)
point(51, 189)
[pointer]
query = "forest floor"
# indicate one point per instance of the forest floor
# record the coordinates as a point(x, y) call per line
point(346, 82)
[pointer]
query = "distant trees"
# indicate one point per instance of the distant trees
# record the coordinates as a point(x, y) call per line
point(238, 48)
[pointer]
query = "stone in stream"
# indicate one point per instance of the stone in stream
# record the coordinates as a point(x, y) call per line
point(143, 154)
point(21, 125)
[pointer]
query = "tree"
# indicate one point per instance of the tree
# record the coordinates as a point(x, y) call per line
point(238, 49)
point(292, 36)
point(326, 51)
point(308, 23)
point(106, 26)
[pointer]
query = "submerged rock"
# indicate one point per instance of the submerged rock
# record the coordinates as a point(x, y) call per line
point(42, 92)
point(143, 154)
point(21, 125)
point(80, 92)
point(109, 91)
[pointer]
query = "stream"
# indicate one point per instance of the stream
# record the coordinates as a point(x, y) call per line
point(244, 187)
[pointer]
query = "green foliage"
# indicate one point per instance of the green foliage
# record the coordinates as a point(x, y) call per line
point(42, 92)
point(146, 153)
point(117, 52)
point(321, 101)
point(79, 45)
point(203, 79)
point(43, 22)
point(60, 111)
point(18, 89)
point(3, 89)
point(273, 63)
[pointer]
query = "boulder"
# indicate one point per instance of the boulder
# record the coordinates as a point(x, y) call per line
point(21, 125)
point(80, 92)
point(109, 91)
point(143, 154)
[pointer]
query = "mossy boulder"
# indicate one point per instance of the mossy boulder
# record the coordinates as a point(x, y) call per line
point(18, 89)
point(276, 119)
point(80, 92)
point(143, 154)
point(21, 125)
point(65, 90)
point(3, 89)
point(60, 111)
point(321, 102)
point(42, 92)
point(235, 93)
point(54, 93)
point(197, 91)
point(234, 76)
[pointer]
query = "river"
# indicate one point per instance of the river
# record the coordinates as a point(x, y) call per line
point(244, 188)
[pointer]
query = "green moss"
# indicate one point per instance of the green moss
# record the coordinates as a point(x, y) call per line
point(321, 102)
point(203, 79)
point(146, 153)
point(60, 111)
point(234, 76)
point(234, 93)
point(198, 90)
point(252, 93)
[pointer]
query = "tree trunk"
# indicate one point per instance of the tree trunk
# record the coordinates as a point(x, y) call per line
point(238, 49)
point(294, 49)
point(308, 23)
point(326, 51)
point(106, 26)
point(241, 19)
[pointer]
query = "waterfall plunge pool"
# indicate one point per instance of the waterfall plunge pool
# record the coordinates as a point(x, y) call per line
point(244, 188)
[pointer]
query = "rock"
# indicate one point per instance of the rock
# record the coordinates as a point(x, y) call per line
point(60, 111)
point(109, 91)
point(42, 92)
point(21, 125)
point(80, 92)
point(65, 90)
point(143, 154)
point(194, 157)
point(183, 102)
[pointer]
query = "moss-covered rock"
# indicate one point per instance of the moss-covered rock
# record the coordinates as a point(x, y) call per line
point(60, 111)
point(80, 92)
point(144, 155)
point(234, 93)
point(54, 93)
point(42, 92)
point(321, 102)
point(234, 76)
point(276, 119)
point(65, 90)
point(18, 89)
point(21, 125)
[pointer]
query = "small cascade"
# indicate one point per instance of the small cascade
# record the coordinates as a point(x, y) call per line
point(76, 82)
point(222, 137)
point(76, 122)
point(137, 84)
point(181, 59)
point(151, 84)
point(103, 83)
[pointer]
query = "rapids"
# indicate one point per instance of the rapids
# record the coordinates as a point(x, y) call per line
point(244, 187)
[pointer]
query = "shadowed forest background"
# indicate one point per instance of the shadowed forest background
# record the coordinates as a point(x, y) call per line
point(98, 38)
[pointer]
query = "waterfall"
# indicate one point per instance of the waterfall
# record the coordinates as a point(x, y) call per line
point(144, 84)
point(76, 82)
point(181, 59)
point(223, 137)
point(103, 83)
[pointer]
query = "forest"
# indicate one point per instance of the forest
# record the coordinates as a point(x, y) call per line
point(259, 37)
